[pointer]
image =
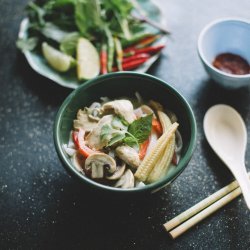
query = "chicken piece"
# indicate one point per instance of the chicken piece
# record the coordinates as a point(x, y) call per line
point(121, 107)
point(82, 121)
point(128, 155)
point(93, 140)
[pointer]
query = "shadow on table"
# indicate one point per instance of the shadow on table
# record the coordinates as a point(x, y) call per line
point(88, 219)
point(48, 91)
point(211, 93)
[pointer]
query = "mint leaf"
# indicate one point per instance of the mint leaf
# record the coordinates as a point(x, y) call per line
point(141, 128)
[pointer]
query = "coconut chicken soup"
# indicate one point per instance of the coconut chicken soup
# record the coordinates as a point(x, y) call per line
point(124, 143)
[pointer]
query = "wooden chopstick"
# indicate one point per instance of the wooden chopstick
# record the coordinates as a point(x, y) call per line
point(203, 209)
point(204, 213)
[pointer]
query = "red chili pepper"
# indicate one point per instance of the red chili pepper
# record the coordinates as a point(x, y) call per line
point(132, 64)
point(143, 43)
point(143, 148)
point(75, 138)
point(151, 50)
point(135, 57)
point(78, 138)
point(157, 126)
point(174, 159)
point(104, 59)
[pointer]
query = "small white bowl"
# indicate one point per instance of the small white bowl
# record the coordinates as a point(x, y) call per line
point(229, 35)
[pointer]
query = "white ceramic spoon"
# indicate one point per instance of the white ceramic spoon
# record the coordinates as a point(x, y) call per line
point(226, 133)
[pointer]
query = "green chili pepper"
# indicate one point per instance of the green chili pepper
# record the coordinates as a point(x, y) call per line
point(119, 53)
point(135, 39)
point(111, 49)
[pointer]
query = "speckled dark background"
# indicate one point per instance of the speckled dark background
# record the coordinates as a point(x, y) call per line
point(41, 207)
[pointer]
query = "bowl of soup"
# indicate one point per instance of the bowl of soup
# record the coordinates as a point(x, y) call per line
point(125, 132)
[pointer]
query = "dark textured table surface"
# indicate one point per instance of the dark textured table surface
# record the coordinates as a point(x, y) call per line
point(41, 207)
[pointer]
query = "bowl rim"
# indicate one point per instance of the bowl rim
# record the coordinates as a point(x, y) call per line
point(153, 186)
point(205, 30)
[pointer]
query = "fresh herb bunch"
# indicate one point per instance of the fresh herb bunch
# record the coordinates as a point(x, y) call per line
point(61, 21)
point(118, 39)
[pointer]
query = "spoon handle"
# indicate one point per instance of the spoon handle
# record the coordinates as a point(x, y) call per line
point(241, 176)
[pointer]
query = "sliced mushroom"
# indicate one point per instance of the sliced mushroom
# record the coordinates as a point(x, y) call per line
point(95, 105)
point(118, 172)
point(82, 121)
point(94, 111)
point(98, 163)
point(120, 107)
point(129, 155)
point(93, 140)
point(126, 181)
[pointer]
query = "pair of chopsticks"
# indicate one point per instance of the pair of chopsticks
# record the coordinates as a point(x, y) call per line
point(180, 224)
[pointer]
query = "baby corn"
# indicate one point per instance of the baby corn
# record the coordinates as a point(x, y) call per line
point(164, 161)
point(162, 165)
point(152, 158)
point(165, 120)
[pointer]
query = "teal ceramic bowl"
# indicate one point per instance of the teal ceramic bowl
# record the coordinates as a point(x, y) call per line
point(117, 85)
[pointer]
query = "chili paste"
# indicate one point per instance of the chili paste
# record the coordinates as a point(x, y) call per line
point(232, 64)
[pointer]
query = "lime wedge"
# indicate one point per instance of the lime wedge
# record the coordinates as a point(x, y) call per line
point(56, 59)
point(88, 62)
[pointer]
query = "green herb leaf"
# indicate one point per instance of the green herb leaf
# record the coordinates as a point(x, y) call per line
point(53, 32)
point(88, 16)
point(131, 141)
point(141, 128)
point(38, 11)
point(113, 133)
point(69, 43)
point(116, 138)
point(27, 44)
point(119, 123)
point(105, 135)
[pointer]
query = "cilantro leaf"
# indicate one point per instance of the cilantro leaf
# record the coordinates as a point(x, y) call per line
point(110, 135)
point(105, 133)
